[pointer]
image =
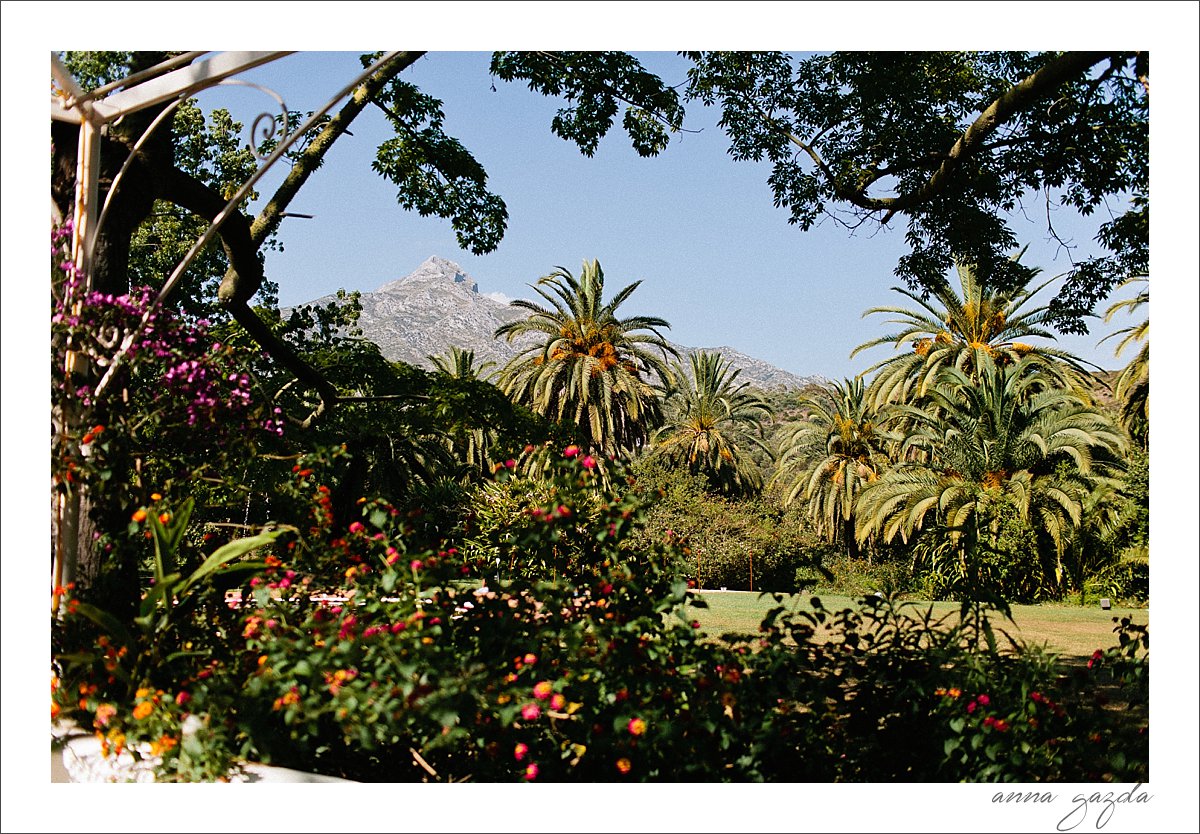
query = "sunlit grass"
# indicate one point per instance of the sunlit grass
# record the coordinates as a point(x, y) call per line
point(1065, 630)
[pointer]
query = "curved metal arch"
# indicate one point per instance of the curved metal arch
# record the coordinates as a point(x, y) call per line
point(265, 119)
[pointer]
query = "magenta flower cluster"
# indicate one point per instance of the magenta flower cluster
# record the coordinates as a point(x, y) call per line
point(192, 380)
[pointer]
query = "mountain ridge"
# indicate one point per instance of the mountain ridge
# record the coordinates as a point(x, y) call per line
point(438, 306)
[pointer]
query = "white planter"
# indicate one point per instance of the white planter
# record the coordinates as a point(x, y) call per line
point(76, 756)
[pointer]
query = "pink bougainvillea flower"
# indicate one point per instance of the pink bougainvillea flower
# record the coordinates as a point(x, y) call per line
point(415, 564)
point(510, 463)
point(183, 697)
point(531, 712)
point(543, 690)
point(983, 700)
point(570, 451)
point(1001, 726)
point(971, 707)
point(531, 772)
point(637, 727)
point(530, 659)
point(558, 702)
point(588, 462)
point(521, 751)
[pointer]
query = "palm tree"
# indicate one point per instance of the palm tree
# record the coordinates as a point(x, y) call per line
point(471, 446)
point(1133, 383)
point(460, 364)
point(590, 367)
point(953, 330)
point(1006, 438)
point(832, 455)
point(710, 416)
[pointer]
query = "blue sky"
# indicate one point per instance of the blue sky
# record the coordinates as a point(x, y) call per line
point(716, 258)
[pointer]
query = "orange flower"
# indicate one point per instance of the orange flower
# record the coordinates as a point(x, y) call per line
point(139, 516)
point(164, 518)
point(624, 765)
point(143, 710)
point(637, 726)
point(156, 497)
point(163, 744)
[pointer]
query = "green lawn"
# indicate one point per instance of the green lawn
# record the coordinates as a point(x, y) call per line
point(1066, 630)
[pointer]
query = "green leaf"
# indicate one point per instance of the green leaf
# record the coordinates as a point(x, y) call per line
point(228, 553)
point(162, 590)
point(106, 621)
point(240, 567)
point(171, 658)
point(388, 581)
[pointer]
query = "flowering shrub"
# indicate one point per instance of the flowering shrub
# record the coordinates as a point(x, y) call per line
point(164, 685)
point(175, 387)
point(176, 417)
point(423, 666)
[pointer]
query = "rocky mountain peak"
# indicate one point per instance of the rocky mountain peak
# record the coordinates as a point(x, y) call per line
point(434, 271)
point(439, 306)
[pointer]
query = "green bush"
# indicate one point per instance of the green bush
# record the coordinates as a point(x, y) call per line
point(746, 544)
point(427, 668)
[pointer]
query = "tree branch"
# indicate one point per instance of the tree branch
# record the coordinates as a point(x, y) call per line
point(281, 351)
point(1016, 100)
point(308, 161)
point(188, 192)
point(245, 275)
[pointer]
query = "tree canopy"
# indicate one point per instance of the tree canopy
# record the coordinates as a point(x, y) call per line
point(955, 142)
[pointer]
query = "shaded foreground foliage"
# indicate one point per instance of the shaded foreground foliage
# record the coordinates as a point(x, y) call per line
point(430, 666)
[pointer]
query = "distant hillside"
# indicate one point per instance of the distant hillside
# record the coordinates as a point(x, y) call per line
point(439, 306)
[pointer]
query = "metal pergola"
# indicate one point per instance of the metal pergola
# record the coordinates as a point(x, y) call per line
point(174, 80)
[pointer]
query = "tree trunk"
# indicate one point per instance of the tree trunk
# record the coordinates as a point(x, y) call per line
point(852, 549)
